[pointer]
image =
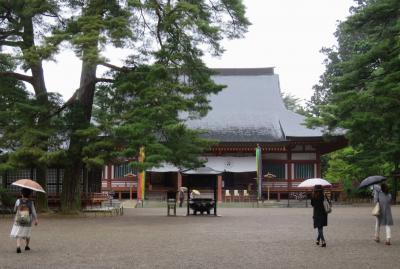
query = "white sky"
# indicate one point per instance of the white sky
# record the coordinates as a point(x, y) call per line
point(285, 34)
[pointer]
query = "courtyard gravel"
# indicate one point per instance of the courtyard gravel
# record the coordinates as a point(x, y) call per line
point(238, 238)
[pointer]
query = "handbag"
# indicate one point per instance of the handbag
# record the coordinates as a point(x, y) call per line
point(376, 211)
point(327, 206)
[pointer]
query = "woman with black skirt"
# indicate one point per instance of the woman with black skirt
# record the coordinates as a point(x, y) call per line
point(320, 217)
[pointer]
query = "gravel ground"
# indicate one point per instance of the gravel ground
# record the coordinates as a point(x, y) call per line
point(239, 238)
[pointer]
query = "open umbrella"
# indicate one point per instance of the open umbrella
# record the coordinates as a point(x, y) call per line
point(183, 189)
point(311, 182)
point(196, 192)
point(28, 184)
point(269, 175)
point(371, 181)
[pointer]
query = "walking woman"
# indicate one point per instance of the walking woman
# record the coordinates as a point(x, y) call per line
point(25, 215)
point(384, 199)
point(320, 217)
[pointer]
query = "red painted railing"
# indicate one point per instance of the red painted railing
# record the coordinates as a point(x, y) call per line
point(120, 184)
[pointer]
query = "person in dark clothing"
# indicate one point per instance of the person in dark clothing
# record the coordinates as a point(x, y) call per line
point(385, 218)
point(181, 197)
point(320, 217)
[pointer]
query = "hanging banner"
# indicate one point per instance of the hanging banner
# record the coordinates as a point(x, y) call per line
point(259, 171)
point(141, 178)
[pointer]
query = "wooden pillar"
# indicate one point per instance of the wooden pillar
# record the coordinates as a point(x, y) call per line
point(219, 188)
point(318, 164)
point(179, 179)
point(108, 176)
point(188, 199)
point(290, 175)
point(139, 187)
point(289, 163)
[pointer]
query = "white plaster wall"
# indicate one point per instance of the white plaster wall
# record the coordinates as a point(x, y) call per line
point(309, 147)
point(292, 169)
point(304, 156)
point(298, 148)
point(315, 170)
point(274, 156)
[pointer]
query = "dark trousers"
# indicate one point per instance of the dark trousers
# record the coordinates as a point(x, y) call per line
point(320, 234)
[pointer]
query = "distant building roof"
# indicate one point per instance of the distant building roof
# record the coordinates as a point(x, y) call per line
point(244, 71)
point(250, 109)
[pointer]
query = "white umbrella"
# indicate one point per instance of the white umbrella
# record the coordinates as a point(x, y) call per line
point(311, 182)
point(183, 189)
point(196, 192)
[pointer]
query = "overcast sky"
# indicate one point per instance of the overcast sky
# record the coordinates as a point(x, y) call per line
point(285, 34)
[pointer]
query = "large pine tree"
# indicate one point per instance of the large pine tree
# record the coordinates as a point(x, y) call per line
point(164, 76)
point(360, 90)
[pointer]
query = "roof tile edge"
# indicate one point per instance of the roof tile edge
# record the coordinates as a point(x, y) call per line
point(263, 71)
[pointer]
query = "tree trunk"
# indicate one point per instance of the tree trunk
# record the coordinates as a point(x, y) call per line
point(41, 95)
point(71, 194)
point(84, 105)
point(39, 87)
point(41, 198)
point(87, 88)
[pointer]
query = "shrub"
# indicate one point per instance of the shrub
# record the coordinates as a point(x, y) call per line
point(6, 198)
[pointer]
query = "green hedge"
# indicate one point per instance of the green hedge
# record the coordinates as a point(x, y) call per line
point(6, 198)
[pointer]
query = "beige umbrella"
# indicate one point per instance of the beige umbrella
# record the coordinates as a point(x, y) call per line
point(28, 184)
point(196, 192)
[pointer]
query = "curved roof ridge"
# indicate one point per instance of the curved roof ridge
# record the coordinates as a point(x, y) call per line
point(260, 71)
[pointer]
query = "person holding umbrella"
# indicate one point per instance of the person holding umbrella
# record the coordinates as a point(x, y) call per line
point(384, 198)
point(320, 217)
point(25, 215)
point(181, 195)
point(381, 196)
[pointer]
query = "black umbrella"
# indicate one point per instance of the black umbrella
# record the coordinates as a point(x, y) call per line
point(371, 181)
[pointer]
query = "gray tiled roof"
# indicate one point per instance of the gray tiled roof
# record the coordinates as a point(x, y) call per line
point(250, 109)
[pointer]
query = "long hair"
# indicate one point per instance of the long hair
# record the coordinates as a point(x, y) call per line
point(318, 192)
point(384, 188)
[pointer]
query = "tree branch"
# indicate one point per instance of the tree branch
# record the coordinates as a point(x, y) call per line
point(5, 34)
point(158, 13)
point(18, 76)
point(114, 67)
point(146, 25)
point(109, 80)
point(11, 43)
point(75, 95)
